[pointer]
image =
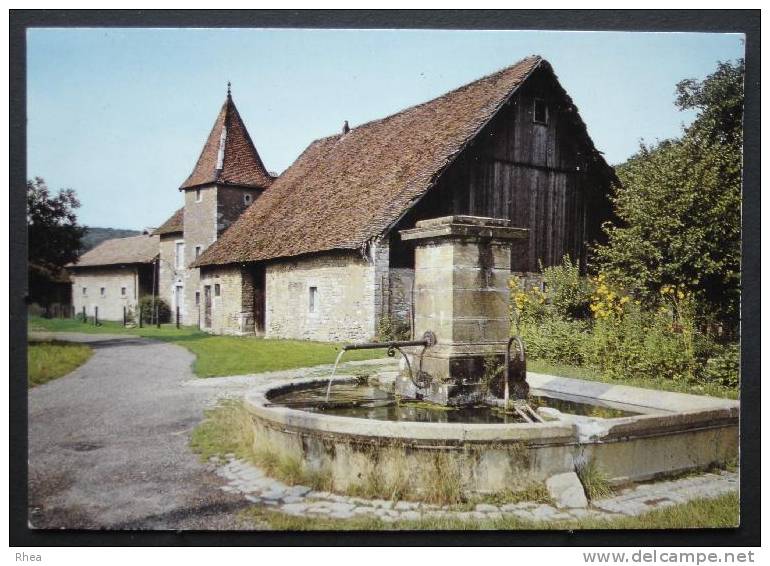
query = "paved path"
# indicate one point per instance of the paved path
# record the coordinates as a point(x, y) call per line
point(109, 443)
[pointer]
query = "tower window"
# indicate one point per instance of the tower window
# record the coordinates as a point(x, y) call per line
point(197, 298)
point(197, 251)
point(313, 299)
point(198, 195)
point(179, 255)
point(102, 291)
point(122, 291)
point(217, 290)
point(85, 290)
point(540, 112)
point(247, 199)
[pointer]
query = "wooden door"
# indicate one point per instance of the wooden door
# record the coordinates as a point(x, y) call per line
point(207, 306)
point(259, 310)
point(178, 300)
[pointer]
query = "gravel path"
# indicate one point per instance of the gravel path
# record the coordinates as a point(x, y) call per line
point(109, 443)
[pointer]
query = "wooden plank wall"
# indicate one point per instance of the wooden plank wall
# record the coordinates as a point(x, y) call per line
point(533, 174)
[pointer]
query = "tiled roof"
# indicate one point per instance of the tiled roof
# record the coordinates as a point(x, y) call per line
point(229, 156)
point(119, 251)
point(347, 189)
point(173, 225)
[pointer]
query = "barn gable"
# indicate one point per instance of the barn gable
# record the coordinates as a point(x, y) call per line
point(534, 164)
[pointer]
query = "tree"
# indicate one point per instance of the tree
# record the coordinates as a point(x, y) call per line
point(679, 204)
point(54, 236)
point(719, 100)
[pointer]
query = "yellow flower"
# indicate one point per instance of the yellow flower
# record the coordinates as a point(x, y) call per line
point(680, 295)
point(624, 300)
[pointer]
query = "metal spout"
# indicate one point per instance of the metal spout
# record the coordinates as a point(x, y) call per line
point(428, 340)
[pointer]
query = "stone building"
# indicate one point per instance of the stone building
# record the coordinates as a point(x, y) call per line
point(114, 275)
point(316, 253)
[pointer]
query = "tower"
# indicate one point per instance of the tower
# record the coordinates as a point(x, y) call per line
point(228, 176)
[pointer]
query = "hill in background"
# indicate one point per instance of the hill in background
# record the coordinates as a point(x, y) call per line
point(96, 236)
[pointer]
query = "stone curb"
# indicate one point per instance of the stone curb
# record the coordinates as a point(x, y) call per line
point(301, 501)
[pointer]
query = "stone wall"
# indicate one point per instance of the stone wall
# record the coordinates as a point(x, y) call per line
point(231, 202)
point(347, 291)
point(112, 280)
point(379, 256)
point(401, 283)
point(171, 276)
point(231, 311)
point(200, 229)
point(204, 221)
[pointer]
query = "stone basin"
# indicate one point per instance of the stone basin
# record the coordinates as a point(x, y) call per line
point(669, 433)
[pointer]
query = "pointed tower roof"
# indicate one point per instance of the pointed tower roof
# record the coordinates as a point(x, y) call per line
point(229, 156)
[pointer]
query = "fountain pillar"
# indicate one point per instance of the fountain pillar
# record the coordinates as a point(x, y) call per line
point(462, 266)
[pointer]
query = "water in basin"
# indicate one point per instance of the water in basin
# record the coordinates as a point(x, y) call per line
point(371, 401)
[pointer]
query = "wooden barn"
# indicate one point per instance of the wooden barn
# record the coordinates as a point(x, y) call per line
point(318, 254)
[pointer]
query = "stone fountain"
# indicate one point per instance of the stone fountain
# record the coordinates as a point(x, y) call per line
point(461, 296)
point(349, 428)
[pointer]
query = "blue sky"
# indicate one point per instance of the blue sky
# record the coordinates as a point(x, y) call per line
point(121, 115)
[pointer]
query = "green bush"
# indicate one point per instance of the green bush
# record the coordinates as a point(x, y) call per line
point(528, 305)
point(567, 290)
point(146, 306)
point(640, 344)
point(595, 323)
point(557, 341)
point(723, 366)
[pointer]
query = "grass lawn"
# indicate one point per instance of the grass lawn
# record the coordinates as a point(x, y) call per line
point(538, 366)
point(221, 355)
point(49, 360)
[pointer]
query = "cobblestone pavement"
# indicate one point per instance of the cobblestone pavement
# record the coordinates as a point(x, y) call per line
point(256, 487)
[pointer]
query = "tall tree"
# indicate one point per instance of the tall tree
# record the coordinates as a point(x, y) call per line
point(54, 236)
point(679, 203)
